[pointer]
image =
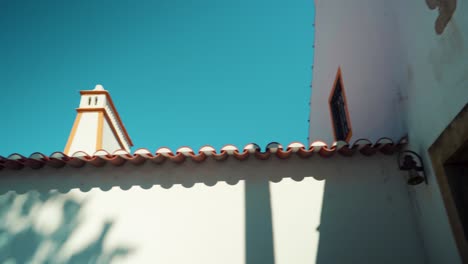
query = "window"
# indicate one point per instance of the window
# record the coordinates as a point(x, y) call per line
point(339, 111)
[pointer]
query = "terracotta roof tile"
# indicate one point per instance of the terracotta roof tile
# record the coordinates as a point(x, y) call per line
point(252, 150)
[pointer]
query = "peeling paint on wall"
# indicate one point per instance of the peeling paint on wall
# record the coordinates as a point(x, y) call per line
point(446, 9)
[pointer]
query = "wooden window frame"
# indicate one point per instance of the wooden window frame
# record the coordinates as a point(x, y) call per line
point(339, 78)
point(451, 140)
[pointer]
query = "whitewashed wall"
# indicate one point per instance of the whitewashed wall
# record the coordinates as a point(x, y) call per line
point(109, 139)
point(93, 101)
point(85, 135)
point(436, 82)
point(400, 77)
point(361, 37)
point(335, 210)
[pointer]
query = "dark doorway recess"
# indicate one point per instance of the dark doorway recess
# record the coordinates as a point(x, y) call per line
point(449, 155)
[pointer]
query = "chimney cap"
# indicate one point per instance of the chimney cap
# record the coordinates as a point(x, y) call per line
point(99, 87)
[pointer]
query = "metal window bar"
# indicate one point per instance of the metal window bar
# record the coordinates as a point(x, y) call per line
point(339, 114)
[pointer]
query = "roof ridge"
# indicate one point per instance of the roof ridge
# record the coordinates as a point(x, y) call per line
point(99, 158)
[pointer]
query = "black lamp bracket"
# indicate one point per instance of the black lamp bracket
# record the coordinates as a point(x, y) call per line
point(408, 160)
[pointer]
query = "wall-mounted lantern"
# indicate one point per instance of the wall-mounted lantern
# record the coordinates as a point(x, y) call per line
point(410, 161)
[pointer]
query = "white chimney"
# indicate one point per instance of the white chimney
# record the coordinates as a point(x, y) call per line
point(97, 125)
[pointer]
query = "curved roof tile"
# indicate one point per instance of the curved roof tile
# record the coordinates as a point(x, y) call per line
point(118, 158)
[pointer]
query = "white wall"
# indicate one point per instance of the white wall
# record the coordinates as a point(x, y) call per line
point(118, 129)
point(400, 77)
point(361, 37)
point(110, 142)
point(109, 139)
point(333, 210)
point(436, 81)
point(86, 134)
point(93, 100)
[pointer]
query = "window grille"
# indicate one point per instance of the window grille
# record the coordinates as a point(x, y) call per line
point(338, 109)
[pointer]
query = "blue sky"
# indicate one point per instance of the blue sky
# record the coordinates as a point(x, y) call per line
point(181, 73)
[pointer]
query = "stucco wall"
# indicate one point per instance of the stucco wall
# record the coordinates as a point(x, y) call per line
point(400, 77)
point(93, 101)
point(436, 89)
point(86, 134)
point(109, 139)
point(361, 37)
point(336, 210)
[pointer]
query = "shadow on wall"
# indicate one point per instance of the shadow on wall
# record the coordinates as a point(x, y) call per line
point(367, 217)
point(258, 214)
point(258, 221)
point(366, 214)
point(259, 245)
point(26, 236)
point(166, 175)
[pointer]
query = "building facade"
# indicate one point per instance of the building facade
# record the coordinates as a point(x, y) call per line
point(382, 71)
point(403, 70)
point(291, 204)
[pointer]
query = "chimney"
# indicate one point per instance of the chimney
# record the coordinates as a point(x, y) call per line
point(97, 125)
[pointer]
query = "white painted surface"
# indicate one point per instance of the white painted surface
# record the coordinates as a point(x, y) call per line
point(93, 101)
point(99, 87)
point(361, 38)
point(296, 234)
point(118, 129)
point(400, 77)
point(109, 139)
point(167, 226)
point(86, 134)
point(435, 75)
point(335, 210)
